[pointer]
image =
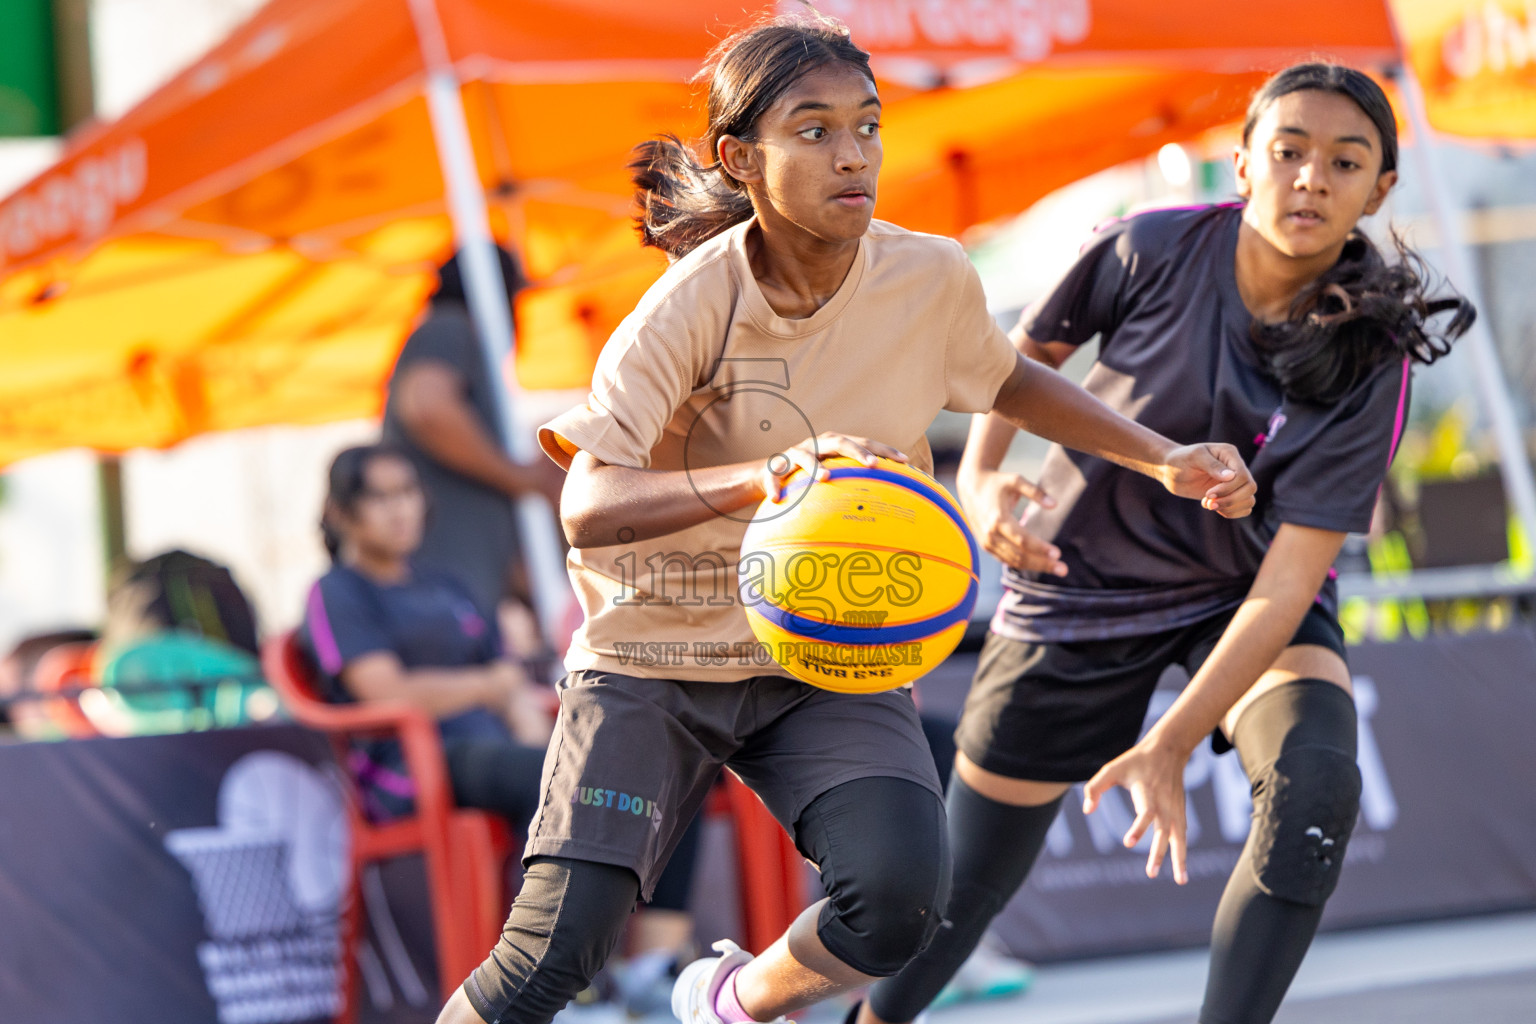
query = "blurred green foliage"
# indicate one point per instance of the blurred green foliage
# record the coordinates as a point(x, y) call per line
point(29, 94)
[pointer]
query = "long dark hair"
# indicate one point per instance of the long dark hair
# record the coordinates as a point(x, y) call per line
point(347, 481)
point(1363, 311)
point(682, 201)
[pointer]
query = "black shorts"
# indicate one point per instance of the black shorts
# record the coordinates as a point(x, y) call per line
point(1060, 712)
point(632, 759)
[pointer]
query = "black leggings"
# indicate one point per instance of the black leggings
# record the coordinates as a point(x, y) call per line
point(1297, 743)
point(880, 845)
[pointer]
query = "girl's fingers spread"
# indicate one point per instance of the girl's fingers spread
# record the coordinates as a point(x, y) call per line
point(837, 444)
point(1092, 791)
point(1029, 489)
point(803, 459)
point(886, 451)
point(862, 449)
point(1042, 557)
point(1138, 827)
point(1028, 552)
point(808, 462)
point(998, 547)
point(1155, 857)
point(1177, 851)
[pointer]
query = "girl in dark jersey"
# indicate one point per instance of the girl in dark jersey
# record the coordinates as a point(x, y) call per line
point(1272, 323)
point(380, 626)
point(788, 312)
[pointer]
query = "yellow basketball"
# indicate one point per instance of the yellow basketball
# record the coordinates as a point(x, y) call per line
point(862, 582)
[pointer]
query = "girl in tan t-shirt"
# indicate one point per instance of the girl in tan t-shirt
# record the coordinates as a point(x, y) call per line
point(776, 255)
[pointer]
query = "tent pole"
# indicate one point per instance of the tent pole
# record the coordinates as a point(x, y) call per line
point(1479, 341)
point(486, 291)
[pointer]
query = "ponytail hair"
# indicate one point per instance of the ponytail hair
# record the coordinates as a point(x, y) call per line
point(347, 481)
point(684, 201)
point(1363, 311)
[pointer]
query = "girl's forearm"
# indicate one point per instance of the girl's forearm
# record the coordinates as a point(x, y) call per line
point(1257, 634)
point(619, 505)
point(1050, 406)
point(1285, 588)
point(985, 446)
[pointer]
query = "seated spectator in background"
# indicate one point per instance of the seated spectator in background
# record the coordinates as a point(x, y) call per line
point(383, 627)
point(380, 625)
point(442, 411)
point(181, 633)
point(22, 715)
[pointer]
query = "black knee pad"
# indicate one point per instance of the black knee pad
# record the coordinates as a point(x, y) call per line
point(1307, 797)
point(887, 871)
point(896, 910)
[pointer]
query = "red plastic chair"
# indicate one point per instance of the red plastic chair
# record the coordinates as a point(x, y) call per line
point(464, 858)
point(464, 851)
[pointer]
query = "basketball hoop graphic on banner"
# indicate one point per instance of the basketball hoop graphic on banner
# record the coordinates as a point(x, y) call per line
point(270, 878)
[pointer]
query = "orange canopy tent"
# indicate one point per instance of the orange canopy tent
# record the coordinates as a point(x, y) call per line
point(251, 243)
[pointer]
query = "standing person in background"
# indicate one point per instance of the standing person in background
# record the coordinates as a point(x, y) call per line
point(1276, 324)
point(442, 411)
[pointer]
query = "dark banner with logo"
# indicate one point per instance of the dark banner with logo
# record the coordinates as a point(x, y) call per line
point(197, 878)
point(192, 878)
point(1447, 823)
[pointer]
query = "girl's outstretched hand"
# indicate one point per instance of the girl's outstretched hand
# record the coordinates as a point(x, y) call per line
point(992, 498)
point(1215, 474)
point(1154, 777)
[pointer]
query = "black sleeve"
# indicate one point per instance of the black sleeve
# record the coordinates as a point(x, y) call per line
point(1090, 297)
point(1333, 481)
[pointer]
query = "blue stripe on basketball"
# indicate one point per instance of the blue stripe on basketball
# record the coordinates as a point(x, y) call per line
point(937, 497)
point(907, 632)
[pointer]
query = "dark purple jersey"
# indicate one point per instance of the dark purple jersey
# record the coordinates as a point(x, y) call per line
point(1175, 353)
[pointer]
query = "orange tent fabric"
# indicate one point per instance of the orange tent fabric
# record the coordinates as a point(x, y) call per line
point(1476, 63)
point(252, 242)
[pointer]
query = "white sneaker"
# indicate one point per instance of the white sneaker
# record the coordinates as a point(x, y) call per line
point(693, 997)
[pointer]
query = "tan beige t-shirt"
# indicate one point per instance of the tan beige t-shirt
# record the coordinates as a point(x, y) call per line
point(704, 373)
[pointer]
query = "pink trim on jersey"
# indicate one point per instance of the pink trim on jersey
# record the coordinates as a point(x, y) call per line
point(1398, 423)
point(320, 632)
point(1402, 412)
